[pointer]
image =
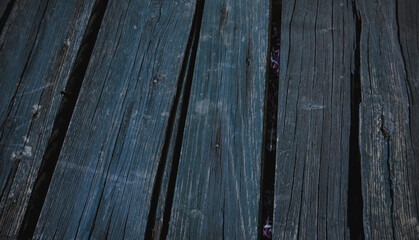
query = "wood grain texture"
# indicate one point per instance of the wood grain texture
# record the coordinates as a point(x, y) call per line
point(168, 178)
point(408, 31)
point(387, 126)
point(103, 182)
point(38, 47)
point(217, 192)
point(316, 62)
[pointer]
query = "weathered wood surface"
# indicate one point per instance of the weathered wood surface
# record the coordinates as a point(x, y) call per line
point(38, 47)
point(168, 179)
point(388, 127)
point(105, 174)
point(408, 32)
point(166, 138)
point(217, 192)
point(317, 51)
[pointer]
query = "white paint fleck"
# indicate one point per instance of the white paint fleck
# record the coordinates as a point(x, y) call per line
point(67, 42)
point(36, 108)
point(13, 156)
point(195, 213)
point(314, 107)
point(35, 90)
point(188, 5)
point(327, 29)
point(228, 65)
point(206, 37)
point(27, 151)
point(135, 27)
point(203, 107)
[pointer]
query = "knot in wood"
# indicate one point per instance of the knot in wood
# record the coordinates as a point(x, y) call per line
point(248, 61)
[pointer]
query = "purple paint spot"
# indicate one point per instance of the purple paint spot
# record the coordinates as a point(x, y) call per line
point(267, 229)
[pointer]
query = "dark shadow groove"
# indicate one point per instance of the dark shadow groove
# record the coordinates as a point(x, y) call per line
point(355, 204)
point(6, 14)
point(62, 121)
point(270, 123)
point(182, 120)
point(179, 108)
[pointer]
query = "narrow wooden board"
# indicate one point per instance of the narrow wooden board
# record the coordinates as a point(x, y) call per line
point(217, 192)
point(170, 171)
point(408, 32)
point(103, 182)
point(316, 63)
point(387, 124)
point(38, 47)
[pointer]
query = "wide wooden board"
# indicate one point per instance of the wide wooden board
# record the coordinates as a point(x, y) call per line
point(103, 183)
point(38, 47)
point(387, 125)
point(217, 192)
point(316, 63)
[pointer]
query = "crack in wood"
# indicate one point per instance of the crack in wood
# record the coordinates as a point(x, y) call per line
point(388, 130)
point(270, 123)
point(355, 204)
point(163, 191)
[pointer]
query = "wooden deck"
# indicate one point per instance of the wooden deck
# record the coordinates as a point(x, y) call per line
point(152, 119)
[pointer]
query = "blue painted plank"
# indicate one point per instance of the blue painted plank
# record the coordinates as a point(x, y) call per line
point(217, 193)
point(103, 183)
point(38, 47)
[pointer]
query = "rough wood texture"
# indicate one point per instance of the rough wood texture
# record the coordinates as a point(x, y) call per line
point(107, 168)
point(166, 137)
point(38, 47)
point(408, 31)
point(317, 46)
point(217, 192)
point(168, 178)
point(387, 123)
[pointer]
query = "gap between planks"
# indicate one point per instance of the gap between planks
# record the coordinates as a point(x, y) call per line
point(62, 121)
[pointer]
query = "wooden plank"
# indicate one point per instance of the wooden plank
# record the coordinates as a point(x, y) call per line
point(408, 32)
point(165, 197)
point(217, 192)
point(317, 50)
point(38, 47)
point(103, 183)
point(387, 124)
